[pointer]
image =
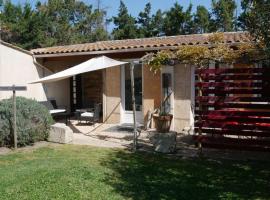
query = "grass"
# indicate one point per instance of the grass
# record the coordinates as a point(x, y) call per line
point(79, 172)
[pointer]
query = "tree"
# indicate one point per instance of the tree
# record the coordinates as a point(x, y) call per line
point(202, 20)
point(145, 22)
point(188, 25)
point(224, 13)
point(125, 24)
point(173, 22)
point(256, 18)
point(177, 21)
point(20, 25)
point(157, 22)
point(56, 22)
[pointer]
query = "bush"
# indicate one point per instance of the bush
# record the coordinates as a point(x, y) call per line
point(33, 122)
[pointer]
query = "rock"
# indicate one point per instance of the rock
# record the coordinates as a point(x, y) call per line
point(163, 142)
point(60, 133)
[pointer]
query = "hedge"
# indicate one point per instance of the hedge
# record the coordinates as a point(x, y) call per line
point(33, 122)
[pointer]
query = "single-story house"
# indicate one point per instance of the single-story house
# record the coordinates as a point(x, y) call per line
point(111, 86)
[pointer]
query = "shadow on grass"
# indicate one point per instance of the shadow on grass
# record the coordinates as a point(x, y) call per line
point(151, 176)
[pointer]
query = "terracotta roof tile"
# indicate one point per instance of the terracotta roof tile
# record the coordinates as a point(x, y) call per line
point(143, 43)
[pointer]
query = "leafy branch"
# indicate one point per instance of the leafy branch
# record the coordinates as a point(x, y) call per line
point(200, 55)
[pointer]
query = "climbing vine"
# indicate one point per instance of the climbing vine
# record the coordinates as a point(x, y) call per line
point(200, 55)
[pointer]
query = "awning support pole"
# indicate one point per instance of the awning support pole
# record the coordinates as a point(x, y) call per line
point(133, 106)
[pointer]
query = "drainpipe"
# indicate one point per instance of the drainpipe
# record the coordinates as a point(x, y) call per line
point(38, 64)
point(44, 69)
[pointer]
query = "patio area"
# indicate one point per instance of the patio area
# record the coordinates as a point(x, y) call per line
point(104, 135)
point(117, 136)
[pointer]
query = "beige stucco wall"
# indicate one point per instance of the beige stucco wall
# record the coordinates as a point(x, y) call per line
point(151, 91)
point(17, 67)
point(182, 97)
point(112, 95)
point(151, 95)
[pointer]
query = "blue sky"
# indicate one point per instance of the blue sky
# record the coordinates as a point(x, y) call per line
point(135, 6)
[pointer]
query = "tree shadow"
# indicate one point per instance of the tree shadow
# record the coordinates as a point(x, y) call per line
point(154, 176)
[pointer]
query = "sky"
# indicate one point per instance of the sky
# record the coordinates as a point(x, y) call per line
point(135, 6)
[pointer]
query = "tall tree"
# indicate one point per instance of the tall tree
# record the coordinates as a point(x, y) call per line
point(173, 21)
point(55, 22)
point(178, 21)
point(20, 25)
point(125, 24)
point(224, 14)
point(188, 25)
point(145, 22)
point(157, 22)
point(202, 20)
point(256, 18)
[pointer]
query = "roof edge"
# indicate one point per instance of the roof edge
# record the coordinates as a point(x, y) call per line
point(97, 53)
point(132, 45)
point(16, 47)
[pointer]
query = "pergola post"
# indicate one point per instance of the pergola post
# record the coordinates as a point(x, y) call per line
point(133, 106)
point(14, 118)
point(14, 88)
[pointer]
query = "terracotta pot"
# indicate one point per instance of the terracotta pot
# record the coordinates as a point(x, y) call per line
point(163, 123)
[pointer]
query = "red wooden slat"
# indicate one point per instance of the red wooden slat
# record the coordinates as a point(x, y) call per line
point(219, 105)
point(234, 124)
point(234, 140)
point(233, 77)
point(232, 91)
point(240, 119)
point(213, 131)
point(231, 143)
point(237, 112)
point(229, 84)
point(231, 70)
point(230, 99)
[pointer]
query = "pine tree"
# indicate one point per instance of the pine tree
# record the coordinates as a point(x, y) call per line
point(19, 25)
point(256, 19)
point(55, 22)
point(125, 24)
point(145, 22)
point(157, 22)
point(224, 13)
point(177, 21)
point(188, 25)
point(202, 20)
point(173, 21)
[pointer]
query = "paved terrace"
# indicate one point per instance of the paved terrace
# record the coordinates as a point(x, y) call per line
point(115, 136)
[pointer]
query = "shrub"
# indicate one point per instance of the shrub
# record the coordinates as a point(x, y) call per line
point(33, 122)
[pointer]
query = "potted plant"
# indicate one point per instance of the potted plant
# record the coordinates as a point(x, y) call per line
point(163, 121)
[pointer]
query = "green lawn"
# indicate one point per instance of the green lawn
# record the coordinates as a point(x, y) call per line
point(77, 172)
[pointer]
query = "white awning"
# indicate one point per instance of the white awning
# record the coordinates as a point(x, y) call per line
point(93, 64)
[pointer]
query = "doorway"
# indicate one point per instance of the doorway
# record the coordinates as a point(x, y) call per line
point(126, 102)
point(167, 91)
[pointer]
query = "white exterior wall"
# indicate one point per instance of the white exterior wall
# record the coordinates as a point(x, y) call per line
point(17, 67)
